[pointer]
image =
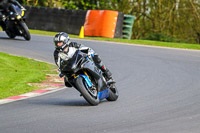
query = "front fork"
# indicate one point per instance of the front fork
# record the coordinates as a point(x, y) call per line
point(85, 77)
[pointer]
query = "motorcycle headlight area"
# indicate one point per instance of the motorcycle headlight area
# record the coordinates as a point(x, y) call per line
point(19, 17)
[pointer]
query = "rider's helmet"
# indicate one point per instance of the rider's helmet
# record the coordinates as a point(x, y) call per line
point(3, 4)
point(61, 37)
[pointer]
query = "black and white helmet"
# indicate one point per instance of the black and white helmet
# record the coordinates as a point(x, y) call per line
point(61, 37)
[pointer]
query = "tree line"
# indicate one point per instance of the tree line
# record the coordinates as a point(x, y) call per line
point(163, 20)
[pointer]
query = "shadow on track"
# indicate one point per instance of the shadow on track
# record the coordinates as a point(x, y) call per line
point(60, 102)
point(13, 39)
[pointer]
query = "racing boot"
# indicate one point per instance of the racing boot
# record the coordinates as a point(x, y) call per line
point(107, 73)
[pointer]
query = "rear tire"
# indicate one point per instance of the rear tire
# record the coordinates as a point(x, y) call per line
point(113, 93)
point(83, 90)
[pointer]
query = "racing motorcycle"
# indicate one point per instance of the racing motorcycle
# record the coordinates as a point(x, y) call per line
point(14, 24)
point(81, 72)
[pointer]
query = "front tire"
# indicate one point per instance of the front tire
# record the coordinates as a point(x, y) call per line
point(25, 31)
point(80, 84)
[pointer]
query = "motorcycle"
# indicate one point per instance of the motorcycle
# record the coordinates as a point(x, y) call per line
point(14, 23)
point(81, 73)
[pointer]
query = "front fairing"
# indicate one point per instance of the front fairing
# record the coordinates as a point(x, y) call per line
point(18, 15)
point(19, 11)
point(96, 73)
point(91, 67)
point(72, 64)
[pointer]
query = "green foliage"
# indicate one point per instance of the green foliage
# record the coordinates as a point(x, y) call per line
point(81, 4)
point(178, 18)
point(159, 37)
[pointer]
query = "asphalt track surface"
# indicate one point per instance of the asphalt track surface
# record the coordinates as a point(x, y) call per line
point(159, 92)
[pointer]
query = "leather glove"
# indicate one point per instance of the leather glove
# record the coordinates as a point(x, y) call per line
point(61, 75)
point(23, 8)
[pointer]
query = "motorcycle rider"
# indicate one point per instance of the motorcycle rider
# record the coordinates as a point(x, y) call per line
point(5, 7)
point(64, 45)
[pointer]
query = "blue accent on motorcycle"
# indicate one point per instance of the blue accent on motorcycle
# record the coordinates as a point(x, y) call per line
point(87, 80)
point(103, 94)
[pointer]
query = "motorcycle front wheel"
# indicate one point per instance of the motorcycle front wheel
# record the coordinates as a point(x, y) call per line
point(25, 30)
point(81, 85)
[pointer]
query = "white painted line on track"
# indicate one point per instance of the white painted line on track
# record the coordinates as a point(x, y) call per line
point(29, 95)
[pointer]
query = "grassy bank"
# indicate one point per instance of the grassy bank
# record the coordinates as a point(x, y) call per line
point(16, 72)
point(143, 42)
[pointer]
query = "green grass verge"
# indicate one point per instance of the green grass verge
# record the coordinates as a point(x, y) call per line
point(143, 42)
point(16, 72)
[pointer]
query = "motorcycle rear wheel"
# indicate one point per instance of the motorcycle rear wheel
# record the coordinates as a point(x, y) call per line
point(83, 90)
point(113, 93)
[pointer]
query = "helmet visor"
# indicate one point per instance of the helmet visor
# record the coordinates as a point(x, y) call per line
point(58, 43)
